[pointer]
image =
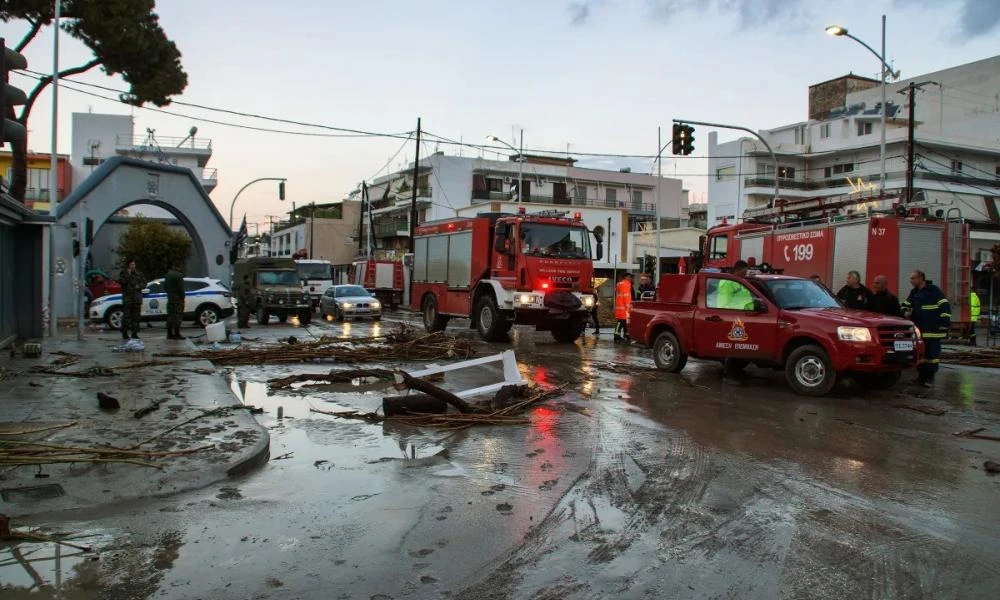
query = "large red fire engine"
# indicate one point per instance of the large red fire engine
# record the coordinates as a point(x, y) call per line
point(502, 269)
point(382, 277)
point(892, 244)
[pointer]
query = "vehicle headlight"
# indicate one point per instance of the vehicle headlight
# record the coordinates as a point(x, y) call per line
point(376, 305)
point(525, 299)
point(588, 301)
point(854, 334)
point(270, 298)
point(347, 305)
point(305, 297)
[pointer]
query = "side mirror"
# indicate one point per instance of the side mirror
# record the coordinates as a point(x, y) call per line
point(145, 290)
point(759, 306)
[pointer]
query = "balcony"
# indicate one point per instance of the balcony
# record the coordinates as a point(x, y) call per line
point(591, 202)
point(392, 228)
point(162, 148)
point(209, 179)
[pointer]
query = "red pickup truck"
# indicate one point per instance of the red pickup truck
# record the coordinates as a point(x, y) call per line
point(773, 321)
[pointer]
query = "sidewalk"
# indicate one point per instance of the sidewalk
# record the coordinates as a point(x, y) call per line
point(187, 388)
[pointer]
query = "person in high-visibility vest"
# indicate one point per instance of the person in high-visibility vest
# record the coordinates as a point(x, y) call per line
point(974, 312)
point(623, 305)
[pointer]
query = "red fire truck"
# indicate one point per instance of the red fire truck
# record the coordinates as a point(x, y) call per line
point(891, 245)
point(501, 269)
point(381, 277)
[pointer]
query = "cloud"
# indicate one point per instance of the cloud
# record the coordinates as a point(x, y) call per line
point(975, 17)
point(579, 12)
point(750, 13)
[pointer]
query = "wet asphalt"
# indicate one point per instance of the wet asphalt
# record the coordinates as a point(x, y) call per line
point(633, 484)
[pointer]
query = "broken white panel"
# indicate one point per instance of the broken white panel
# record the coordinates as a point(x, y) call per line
point(511, 374)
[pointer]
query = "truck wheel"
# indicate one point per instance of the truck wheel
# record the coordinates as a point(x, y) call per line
point(878, 381)
point(262, 315)
point(667, 353)
point(305, 316)
point(491, 325)
point(433, 320)
point(566, 332)
point(809, 372)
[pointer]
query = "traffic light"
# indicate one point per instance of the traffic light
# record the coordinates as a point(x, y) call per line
point(675, 140)
point(10, 130)
point(686, 139)
point(89, 232)
point(281, 190)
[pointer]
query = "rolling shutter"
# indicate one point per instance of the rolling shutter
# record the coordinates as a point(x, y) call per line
point(919, 248)
point(752, 247)
point(850, 253)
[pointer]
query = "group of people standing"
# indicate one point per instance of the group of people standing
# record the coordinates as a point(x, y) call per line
point(133, 282)
point(926, 305)
point(625, 294)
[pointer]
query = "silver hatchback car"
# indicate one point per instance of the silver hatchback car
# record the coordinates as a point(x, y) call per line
point(349, 302)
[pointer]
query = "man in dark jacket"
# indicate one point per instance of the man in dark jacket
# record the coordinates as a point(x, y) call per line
point(884, 301)
point(173, 285)
point(855, 295)
point(132, 285)
point(646, 289)
point(929, 310)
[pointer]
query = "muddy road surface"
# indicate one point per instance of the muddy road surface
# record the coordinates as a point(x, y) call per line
point(633, 484)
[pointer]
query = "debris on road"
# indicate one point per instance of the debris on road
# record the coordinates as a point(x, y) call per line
point(13, 535)
point(22, 453)
point(975, 433)
point(145, 410)
point(334, 376)
point(404, 344)
point(106, 402)
point(923, 408)
point(979, 358)
point(991, 467)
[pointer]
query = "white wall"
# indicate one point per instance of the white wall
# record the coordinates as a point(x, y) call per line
point(90, 129)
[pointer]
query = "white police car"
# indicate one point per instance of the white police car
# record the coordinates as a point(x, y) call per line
point(206, 301)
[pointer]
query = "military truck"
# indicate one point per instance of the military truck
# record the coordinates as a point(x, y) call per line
point(276, 287)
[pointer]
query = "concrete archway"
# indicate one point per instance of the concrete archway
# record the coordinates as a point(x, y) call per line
point(122, 182)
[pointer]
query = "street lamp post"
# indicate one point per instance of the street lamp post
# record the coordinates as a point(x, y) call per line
point(520, 162)
point(837, 30)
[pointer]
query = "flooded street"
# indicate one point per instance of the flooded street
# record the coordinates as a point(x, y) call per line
point(633, 484)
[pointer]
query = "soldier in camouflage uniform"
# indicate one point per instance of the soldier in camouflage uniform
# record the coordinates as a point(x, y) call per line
point(173, 285)
point(245, 301)
point(132, 284)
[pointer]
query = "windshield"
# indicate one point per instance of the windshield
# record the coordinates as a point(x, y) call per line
point(560, 241)
point(792, 294)
point(314, 271)
point(349, 291)
point(277, 278)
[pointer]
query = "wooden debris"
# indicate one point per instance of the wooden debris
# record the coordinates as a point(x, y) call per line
point(13, 535)
point(405, 344)
point(145, 410)
point(106, 402)
point(980, 358)
point(21, 453)
point(334, 376)
point(923, 408)
point(38, 429)
point(430, 389)
point(991, 467)
point(975, 433)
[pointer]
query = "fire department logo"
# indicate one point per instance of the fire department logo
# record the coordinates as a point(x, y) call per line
point(739, 332)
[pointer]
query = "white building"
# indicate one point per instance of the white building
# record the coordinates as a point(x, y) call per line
point(98, 137)
point(835, 153)
point(610, 202)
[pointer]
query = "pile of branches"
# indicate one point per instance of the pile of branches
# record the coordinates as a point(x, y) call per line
point(22, 453)
point(990, 359)
point(506, 408)
point(404, 344)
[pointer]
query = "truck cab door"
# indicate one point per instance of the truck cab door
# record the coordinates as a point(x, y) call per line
point(734, 321)
point(504, 250)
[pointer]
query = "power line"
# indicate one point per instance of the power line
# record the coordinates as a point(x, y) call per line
point(956, 158)
point(973, 186)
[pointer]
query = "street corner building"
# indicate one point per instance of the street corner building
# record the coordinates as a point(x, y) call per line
point(22, 233)
point(121, 182)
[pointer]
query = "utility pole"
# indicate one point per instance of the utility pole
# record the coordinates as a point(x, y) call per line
point(413, 198)
point(910, 135)
point(659, 181)
point(312, 228)
point(361, 216)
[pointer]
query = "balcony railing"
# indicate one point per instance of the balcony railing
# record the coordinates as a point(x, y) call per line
point(164, 143)
point(209, 174)
point(869, 178)
point(629, 205)
point(394, 228)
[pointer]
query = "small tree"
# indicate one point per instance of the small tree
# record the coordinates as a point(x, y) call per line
point(153, 246)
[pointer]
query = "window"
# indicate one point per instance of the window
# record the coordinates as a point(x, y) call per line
point(956, 166)
point(827, 172)
point(190, 286)
point(494, 184)
point(580, 194)
point(838, 169)
point(765, 170)
point(864, 127)
point(636, 199)
point(728, 295)
point(786, 172)
point(155, 288)
point(998, 171)
point(610, 197)
point(725, 173)
point(824, 131)
point(720, 245)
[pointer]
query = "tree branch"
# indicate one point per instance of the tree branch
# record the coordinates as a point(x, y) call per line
point(45, 81)
point(35, 28)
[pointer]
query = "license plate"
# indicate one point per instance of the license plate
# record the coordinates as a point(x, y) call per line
point(904, 346)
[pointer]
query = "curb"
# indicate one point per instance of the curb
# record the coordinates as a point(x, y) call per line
point(258, 455)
